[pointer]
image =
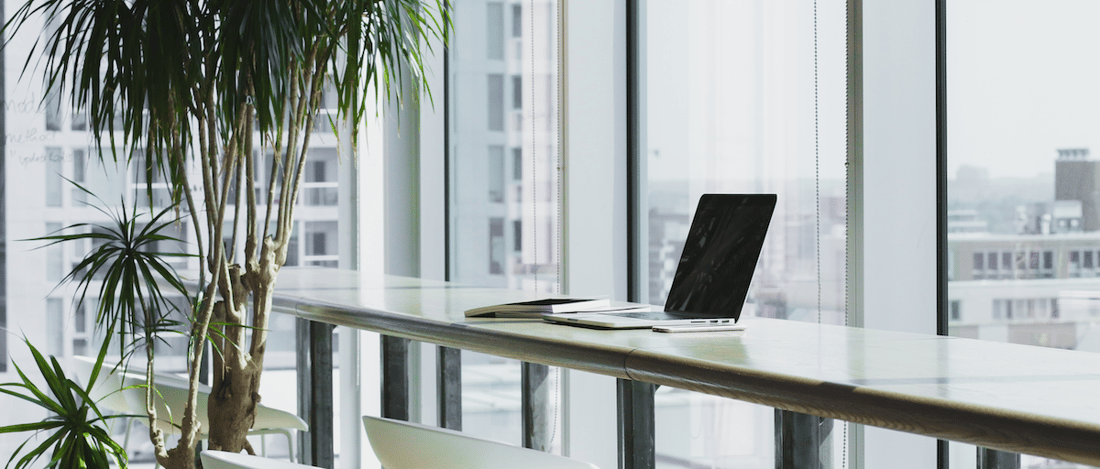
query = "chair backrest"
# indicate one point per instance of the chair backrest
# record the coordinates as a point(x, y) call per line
point(405, 445)
point(108, 393)
point(121, 391)
point(224, 460)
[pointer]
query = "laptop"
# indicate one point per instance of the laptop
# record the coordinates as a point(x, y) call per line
point(715, 269)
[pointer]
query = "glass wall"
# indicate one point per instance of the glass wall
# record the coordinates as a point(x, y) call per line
point(1024, 224)
point(758, 107)
point(504, 180)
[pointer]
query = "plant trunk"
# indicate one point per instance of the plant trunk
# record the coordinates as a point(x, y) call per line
point(232, 410)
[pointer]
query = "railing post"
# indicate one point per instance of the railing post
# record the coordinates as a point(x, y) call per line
point(993, 459)
point(801, 441)
point(395, 378)
point(450, 387)
point(637, 429)
point(536, 406)
point(314, 363)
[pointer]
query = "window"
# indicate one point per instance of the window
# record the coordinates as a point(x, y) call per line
point(55, 261)
point(1034, 190)
point(56, 324)
point(517, 236)
point(54, 159)
point(495, 102)
point(956, 314)
point(321, 185)
point(321, 244)
point(496, 173)
point(728, 105)
point(494, 31)
point(504, 177)
point(80, 165)
point(517, 164)
point(517, 92)
point(53, 112)
point(517, 21)
point(496, 246)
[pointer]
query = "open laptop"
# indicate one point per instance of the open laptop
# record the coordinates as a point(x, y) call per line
point(715, 269)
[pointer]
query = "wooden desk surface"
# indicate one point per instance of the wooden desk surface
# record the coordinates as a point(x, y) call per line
point(1015, 398)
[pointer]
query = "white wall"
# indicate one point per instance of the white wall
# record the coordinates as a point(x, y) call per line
point(595, 203)
point(898, 203)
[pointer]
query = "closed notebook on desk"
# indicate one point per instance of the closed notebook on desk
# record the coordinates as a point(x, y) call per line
point(715, 270)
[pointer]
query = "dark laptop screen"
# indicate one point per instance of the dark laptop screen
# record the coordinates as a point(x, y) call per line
point(720, 254)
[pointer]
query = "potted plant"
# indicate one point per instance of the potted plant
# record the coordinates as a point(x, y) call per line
point(196, 86)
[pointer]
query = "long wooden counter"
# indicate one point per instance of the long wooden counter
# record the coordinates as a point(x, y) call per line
point(1009, 397)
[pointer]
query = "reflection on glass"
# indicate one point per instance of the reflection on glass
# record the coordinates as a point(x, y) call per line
point(1023, 181)
point(730, 105)
point(503, 101)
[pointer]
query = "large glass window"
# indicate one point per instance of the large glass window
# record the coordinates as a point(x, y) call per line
point(504, 179)
point(744, 97)
point(47, 142)
point(1022, 179)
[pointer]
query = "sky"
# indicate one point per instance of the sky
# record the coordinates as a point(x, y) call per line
point(1022, 82)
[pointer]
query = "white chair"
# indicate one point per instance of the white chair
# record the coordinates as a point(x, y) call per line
point(404, 445)
point(115, 392)
point(224, 460)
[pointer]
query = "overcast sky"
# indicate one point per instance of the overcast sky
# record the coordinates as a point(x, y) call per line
point(1023, 82)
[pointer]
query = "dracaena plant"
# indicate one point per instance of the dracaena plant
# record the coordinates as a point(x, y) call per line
point(199, 84)
point(75, 433)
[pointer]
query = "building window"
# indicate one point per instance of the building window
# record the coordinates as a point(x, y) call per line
point(517, 164)
point(1074, 264)
point(517, 92)
point(495, 101)
point(80, 164)
point(979, 266)
point(517, 20)
point(496, 246)
point(55, 267)
point(494, 31)
point(956, 314)
point(53, 111)
point(496, 174)
point(1048, 264)
point(517, 235)
point(55, 327)
point(321, 248)
point(54, 159)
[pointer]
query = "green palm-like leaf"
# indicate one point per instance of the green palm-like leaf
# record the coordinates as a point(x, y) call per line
point(131, 277)
point(77, 436)
point(197, 79)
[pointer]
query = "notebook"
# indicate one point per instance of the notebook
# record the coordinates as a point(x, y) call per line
point(715, 269)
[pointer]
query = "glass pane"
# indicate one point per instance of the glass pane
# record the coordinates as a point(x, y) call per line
point(503, 152)
point(1022, 180)
point(742, 120)
point(48, 143)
